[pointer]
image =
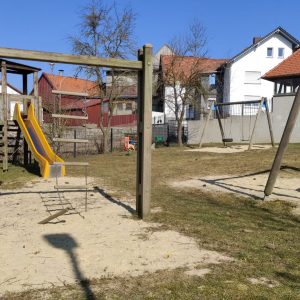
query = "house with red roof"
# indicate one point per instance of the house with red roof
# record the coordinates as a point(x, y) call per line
point(86, 100)
point(240, 78)
point(50, 82)
point(179, 70)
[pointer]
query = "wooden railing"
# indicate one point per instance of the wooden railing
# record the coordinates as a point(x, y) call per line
point(24, 100)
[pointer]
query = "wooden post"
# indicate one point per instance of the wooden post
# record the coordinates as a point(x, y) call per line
point(54, 216)
point(111, 140)
point(255, 123)
point(5, 116)
point(269, 122)
point(40, 110)
point(220, 125)
point(75, 144)
point(290, 124)
point(16, 147)
point(143, 184)
point(36, 95)
point(25, 91)
point(26, 152)
point(25, 109)
point(205, 125)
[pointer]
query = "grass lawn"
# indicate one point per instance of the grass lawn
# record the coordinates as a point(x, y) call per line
point(262, 237)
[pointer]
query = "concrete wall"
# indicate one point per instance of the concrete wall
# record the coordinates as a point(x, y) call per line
point(240, 126)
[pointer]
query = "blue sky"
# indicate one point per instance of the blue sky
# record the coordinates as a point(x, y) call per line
point(231, 24)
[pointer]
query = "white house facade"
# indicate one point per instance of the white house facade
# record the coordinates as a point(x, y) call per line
point(12, 91)
point(242, 74)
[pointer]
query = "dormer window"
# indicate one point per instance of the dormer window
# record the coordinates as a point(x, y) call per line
point(280, 52)
point(269, 52)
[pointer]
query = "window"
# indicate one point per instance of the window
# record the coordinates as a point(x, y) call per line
point(104, 107)
point(128, 106)
point(190, 112)
point(252, 77)
point(280, 52)
point(119, 106)
point(269, 52)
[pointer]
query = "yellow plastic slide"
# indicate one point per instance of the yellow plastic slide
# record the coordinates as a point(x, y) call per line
point(38, 144)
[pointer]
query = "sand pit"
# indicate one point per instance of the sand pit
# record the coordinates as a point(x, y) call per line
point(286, 188)
point(231, 149)
point(102, 242)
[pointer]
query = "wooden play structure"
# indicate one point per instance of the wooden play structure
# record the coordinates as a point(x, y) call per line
point(10, 133)
point(144, 68)
point(225, 112)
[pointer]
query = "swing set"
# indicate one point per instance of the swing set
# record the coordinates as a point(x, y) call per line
point(246, 113)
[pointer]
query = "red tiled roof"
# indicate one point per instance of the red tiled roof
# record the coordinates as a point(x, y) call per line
point(184, 66)
point(71, 84)
point(288, 68)
point(123, 91)
point(78, 105)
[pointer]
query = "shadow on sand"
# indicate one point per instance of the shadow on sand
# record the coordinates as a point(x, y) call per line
point(246, 190)
point(113, 200)
point(65, 242)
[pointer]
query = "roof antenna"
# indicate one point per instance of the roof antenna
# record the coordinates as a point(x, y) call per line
point(51, 67)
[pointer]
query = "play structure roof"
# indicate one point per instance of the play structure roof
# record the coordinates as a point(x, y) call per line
point(17, 68)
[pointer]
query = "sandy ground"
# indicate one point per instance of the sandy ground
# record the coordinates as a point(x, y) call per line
point(231, 149)
point(286, 188)
point(102, 242)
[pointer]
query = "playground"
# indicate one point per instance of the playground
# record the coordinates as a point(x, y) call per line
point(103, 242)
point(148, 222)
point(208, 237)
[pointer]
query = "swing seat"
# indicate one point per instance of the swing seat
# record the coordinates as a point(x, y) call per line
point(227, 140)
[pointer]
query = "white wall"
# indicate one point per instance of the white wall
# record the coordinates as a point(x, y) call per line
point(12, 103)
point(9, 90)
point(239, 128)
point(255, 60)
point(169, 103)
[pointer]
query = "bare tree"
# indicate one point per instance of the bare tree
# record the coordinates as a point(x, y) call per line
point(181, 78)
point(105, 31)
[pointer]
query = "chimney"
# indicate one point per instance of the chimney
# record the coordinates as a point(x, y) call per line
point(297, 47)
point(61, 72)
point(256, 39)
point(52, 67)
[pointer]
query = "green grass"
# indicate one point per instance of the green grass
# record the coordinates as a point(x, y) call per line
point(16, 176)
point(262, 237)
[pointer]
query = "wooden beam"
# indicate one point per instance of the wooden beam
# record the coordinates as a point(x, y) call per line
point(15, 97)
point(24, 84)
point(71, 187)
point(72, 163)
point(54, 216)
point(205, 125)
point(255, 123)
point(238, 102)
point(36, 94)
point(57, 92)
point(269, 122)
point(220, 125)
point(65, 140)
point(69, 117)
point(143, 195)
point(5, 117)
point(69, 59)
